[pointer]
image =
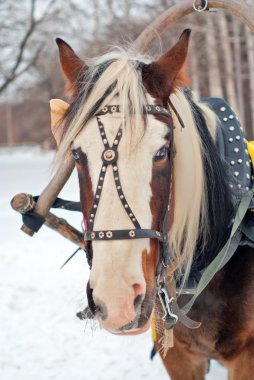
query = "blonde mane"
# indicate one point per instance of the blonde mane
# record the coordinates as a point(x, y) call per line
point(190, 192)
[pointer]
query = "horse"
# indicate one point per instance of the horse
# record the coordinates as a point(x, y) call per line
point(158, 203)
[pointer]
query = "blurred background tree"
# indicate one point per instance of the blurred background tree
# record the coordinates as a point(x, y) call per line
point(221, 57)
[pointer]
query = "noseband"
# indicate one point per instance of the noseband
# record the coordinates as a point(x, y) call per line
point(110, 157)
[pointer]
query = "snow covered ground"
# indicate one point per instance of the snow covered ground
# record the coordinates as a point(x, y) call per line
point(40, 336)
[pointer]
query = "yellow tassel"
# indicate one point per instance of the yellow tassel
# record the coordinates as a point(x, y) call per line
point(154, 334)
point(167, 341)
point(250, 146)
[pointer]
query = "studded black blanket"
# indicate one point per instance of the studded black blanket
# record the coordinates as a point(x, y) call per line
point(232, 147)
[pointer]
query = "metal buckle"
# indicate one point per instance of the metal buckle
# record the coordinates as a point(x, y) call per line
point(169, 317)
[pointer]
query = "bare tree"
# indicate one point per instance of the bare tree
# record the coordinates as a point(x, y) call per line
point(21, 63)
point(213, 71)
point(229, 81)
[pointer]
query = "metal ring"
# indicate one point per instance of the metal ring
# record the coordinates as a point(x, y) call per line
point(109, 234)
point(199, 8)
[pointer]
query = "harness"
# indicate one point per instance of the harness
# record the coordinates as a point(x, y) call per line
point(109, 157)
point(233, 150)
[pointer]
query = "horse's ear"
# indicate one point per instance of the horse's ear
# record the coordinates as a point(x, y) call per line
point(71, 65)
point(165, 74)
point(57, 110)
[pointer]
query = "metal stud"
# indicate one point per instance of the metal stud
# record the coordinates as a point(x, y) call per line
point(92, 235)
point(130, 214)
point(223, 109)
point(115, 168)
point(101, 235)
point(105, 141)
point(236, 174)
point(236, 150)
point(225, 119)
point(238, 137)
point(132, 233)
point(231, 117)
point(97, 196)
point(116, 142)
point(94, 206)
point(92, 215)
point(109, 234)
point(230, 140)
point(239, 186)
point(104, 168)
point(133, 219)
point(240, 161)
point(231, 128)
point(101, 178)
point(90, 220)
point(232, 163)
point(113, 108)
point(157, 233)
point(248, 176)
point(118, 187)
point(231, 186)
point(246, 151)
point(99, 187)
point(116, 178)
point(248, 164)
point(105, 109)
point(121, 196)
point(126, 206)
point(247, 188)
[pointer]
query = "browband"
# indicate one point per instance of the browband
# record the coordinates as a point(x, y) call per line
point(149, 109)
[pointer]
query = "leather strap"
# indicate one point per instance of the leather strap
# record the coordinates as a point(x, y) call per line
point(124, 234)
point(149, 109)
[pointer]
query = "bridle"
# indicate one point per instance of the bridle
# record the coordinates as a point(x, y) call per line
point(110, 157)
point(171, 310)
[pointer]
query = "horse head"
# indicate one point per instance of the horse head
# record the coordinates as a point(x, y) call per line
point(119, 128)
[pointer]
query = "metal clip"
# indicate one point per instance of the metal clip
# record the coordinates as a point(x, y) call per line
point(169, 317)
point(203, 5)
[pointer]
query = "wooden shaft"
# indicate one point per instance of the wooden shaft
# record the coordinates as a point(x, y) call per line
point(51, 191)
point(23, 203)
point(185, 7)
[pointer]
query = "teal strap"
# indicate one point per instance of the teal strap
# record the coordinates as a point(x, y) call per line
point(214, 266)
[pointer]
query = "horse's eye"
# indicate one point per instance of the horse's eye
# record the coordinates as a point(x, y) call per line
point(161, 154)
point(75, 155)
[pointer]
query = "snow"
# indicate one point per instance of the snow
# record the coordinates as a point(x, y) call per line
point(40, 336)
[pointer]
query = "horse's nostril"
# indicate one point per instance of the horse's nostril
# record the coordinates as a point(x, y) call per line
point(138, 301)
